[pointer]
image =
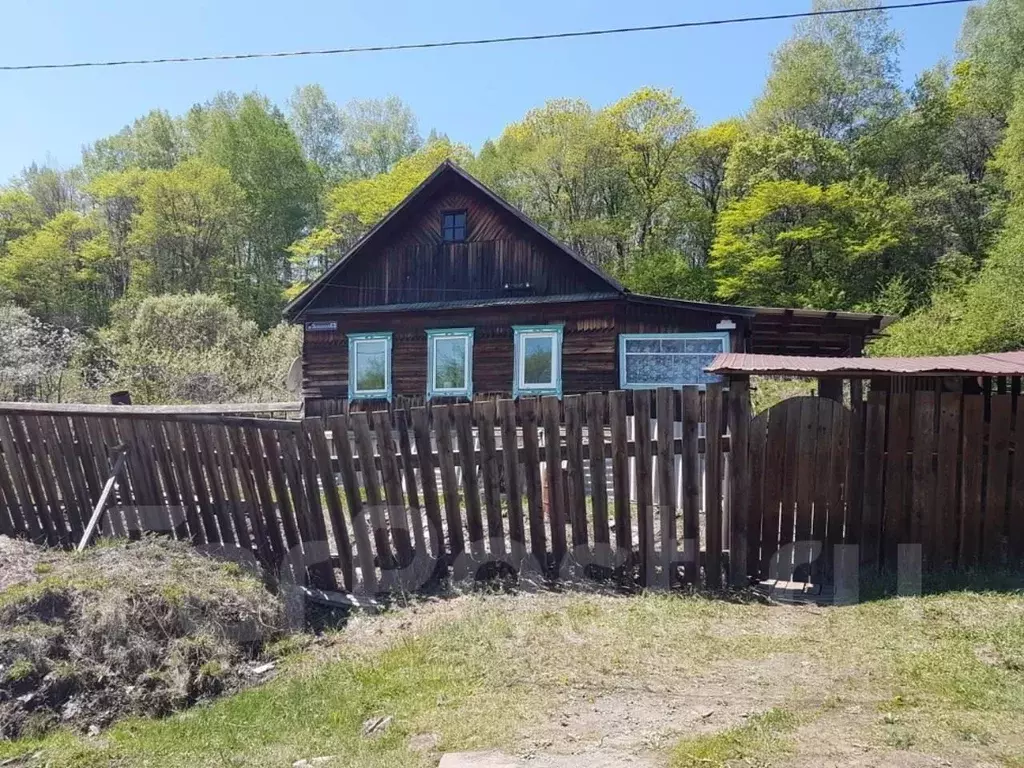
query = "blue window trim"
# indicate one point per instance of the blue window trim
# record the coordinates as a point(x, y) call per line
point(624, 337)
point(522, 389)
point(377, 394)
point(440, 333)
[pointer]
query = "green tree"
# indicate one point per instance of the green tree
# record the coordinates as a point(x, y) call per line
point(317, 122)
point(835, 76)
point(376, 134)
point(155, 140)
point(789, 243)
point(708, 151)
point(20, 213)
point(788, 154)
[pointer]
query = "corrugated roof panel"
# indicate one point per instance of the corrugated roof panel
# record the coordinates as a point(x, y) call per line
point(991, 364)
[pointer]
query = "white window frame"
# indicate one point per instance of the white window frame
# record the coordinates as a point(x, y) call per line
point(433, 336)
point(722, 336)
point(554, 385)
point(354, 340)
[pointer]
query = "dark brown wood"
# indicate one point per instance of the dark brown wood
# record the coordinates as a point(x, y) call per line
point(428, 480)
point(713, 485)
point(30, 443)
point(339, 426)
point(895, 525)
point(272, 456)
point(757, 437)
point(997, 478)
point(87, 455)
point(665, 478)
point(317, 548)
point(391, 475)
point(171, 480)
point(260, 474)
point(490, 476)
point(874, 478)
point(776, 471)
point(532, 478)
point(739, 469)
point(644, 496)
point(449, 482)
point(315, 430)
point(463, 417)
point(947, 485)
point(513, 478)
point(360, 425)
point(554, 476)
point(1015, 518)
point(855, 472)
point(820, 481)
point(209, 461)
point(300, 501)
point(790, 486)
point(972, 461)
point(575, 488)
point(80, 502)
point(620, 474)
point(690, 460)
point(411, 490)
point(69, 515)
point(190, 442)
point(922, 523)
point(596, 407)
point(107, 435)
point(254, 510)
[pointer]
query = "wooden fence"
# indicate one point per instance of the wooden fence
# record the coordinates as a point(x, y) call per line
point(363, 501)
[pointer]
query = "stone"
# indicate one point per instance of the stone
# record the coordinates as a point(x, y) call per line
point(488, 759)
point(376, 725)
point(423, 742)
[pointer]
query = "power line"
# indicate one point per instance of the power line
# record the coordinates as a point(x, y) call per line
point(480, 41)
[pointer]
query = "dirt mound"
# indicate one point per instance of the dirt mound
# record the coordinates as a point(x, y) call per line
point(143, 628)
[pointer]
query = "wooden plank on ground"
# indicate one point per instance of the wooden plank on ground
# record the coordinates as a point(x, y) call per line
point(490, 476)
point(339, 426)
point(596, 407)
point(665, 398)
point(620, 475)
point(555, 477)
point(644, 495)
point(428, 480)
point(575, 488)
point(463, 417)
point(690, 460)
point(972, 462)
point(739, 469)
point(532, 478)
point(922, 523)
point(713, 485)
point(994, 529)
point(874, 478)
point(513, 478)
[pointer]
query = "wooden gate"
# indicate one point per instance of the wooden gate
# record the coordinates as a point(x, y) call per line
point(799, 460)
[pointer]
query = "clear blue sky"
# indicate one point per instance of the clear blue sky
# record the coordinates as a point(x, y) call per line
point(469, 93)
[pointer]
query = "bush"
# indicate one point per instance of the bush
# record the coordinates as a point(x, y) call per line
point(34, 356)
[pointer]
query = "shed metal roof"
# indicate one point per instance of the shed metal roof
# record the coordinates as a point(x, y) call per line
point(992, 364)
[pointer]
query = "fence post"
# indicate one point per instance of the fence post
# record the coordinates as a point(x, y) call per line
point(739, 480)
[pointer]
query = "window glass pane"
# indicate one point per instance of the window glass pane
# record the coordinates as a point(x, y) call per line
point(673, 345)
point(704, 345)
point(371, 365)
point(450, 362)
point(537, 354)
point(642, 345)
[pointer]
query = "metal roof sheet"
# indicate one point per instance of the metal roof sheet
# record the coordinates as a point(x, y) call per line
point(991, 364)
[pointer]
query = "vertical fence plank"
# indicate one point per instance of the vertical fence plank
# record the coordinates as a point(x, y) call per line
point(896, 512)
point(997, 477)
point(16, 516)
point(820, 481)
point(315, 429)
point(644, 496)
point(713, 485)
point(874, 476)
point(838, 490)
point(776, 472)
point(756, 468)
point(272, 456)
point(620, 475)
point(947, 487)
point(428, 479)
point(531, 475)
point(253, 511)
point(922, 524)
point(391, 475)
point(790, 487)
point(739, 496)
point(690, 461)
point(69, 512)
point(463, 416)
point(192, 455)
point(359, 422)
point(555, 477)
point(80, 504)
point(667, 506)
point(596, 408)
point(855, 471)
point(449, 482)
point(176, 495)
point(409, 474)
point(40, 495)
point(575, 489)
point(339, 426)
point(971, 483)
point(39, 456)
point(1015, 521)
point(513, 480)
point(318, 553)
point(162, 515)
point(209, 460)
point(490, 475)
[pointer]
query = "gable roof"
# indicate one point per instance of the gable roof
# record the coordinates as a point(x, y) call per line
point(298, 305)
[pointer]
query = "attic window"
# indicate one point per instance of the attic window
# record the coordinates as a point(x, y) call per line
point(453, 226)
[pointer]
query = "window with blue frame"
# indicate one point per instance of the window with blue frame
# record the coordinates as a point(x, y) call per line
point(450, 363)
point(538, 360)
point(648, 360)
point(369, 366)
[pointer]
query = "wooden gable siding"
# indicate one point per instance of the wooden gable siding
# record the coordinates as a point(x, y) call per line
point(415, 265)
point(589, 348)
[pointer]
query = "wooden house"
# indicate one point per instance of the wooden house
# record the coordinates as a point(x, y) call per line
point(457, 294)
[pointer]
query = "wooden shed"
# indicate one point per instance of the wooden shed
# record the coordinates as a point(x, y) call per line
point(457, 294)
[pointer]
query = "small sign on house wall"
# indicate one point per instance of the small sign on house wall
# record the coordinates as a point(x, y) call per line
point(322, 325)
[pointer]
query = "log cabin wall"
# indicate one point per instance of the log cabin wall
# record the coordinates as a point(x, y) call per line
point(414, 264)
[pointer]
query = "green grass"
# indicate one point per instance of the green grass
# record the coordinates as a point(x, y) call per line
point(761, 737)
point(942, 675)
